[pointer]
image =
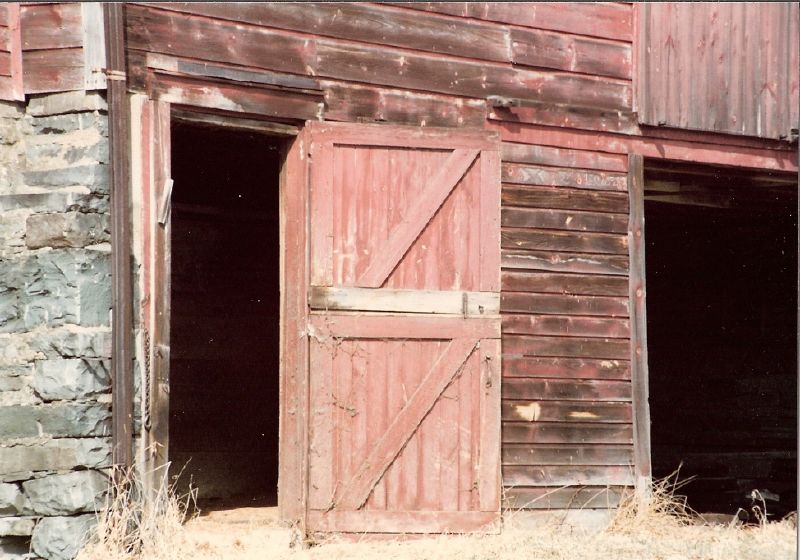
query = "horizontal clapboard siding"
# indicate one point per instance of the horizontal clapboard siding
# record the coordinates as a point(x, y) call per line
point(369, 51)
point(567, 412)
point(52, 47)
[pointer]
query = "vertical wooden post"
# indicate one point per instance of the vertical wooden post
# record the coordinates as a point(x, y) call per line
point(121, 275)
point(638, 319)
point(160, 294)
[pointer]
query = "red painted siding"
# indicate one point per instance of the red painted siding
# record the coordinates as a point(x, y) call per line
point(565, 261)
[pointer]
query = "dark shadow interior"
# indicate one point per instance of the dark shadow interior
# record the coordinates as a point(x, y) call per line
point(224, 356)
point(721, 262)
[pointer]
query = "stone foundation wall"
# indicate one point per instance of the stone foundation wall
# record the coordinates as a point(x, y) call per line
point(55, 336)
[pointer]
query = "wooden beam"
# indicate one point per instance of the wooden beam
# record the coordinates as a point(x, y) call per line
point(638, 318)
point(405, 301)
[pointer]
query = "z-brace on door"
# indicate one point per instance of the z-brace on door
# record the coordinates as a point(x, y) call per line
point(404, 329)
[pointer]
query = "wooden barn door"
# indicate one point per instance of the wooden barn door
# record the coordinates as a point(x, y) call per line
point(404, 329)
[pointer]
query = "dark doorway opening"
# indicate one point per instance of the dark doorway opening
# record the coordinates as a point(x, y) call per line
point(721, 265)
point(224, 325)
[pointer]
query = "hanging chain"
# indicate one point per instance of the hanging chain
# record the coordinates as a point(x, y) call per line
point(146, 389)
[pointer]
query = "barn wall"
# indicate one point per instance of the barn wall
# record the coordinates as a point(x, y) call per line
point(567, 398)
point(55, 336)
point(725, 67)
point(567, 409)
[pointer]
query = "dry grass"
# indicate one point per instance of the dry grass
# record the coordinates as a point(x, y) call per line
point(660, 528)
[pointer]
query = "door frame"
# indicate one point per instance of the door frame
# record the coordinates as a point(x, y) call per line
point(151, 184)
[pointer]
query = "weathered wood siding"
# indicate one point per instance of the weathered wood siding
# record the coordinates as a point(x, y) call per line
point(567, 413)
point(52, 47)
point(723, 67)
point(566, 370)
point(10, 53)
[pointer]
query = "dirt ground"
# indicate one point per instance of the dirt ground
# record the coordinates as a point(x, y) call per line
point(246, 534)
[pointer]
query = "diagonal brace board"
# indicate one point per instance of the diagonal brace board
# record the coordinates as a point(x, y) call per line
point(355, 494)
point(403, 234)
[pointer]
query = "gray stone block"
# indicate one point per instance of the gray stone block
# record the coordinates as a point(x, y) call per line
point(59, 124)
point(72, 229)
point(60, 538)
point(12, 500)
point(93, 176)
point(17, 461)
point(71, 379)
point(66, 494)
point(72, 342)
point(55, 420)
point(54, 288)
point(54, 202)
point(16, 526)
point(66, 102)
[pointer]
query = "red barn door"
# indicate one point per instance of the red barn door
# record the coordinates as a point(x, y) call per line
point(404, 383)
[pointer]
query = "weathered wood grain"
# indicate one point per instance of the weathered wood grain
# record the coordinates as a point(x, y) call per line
point(562, 475)
point(609, 20)
point(560, 304)
point(405, 301)
point(566, 220)
point(517, 454)
point(563, 198)
point(566, 389)
point(705, 148)
point(565, 368)
point(555, 411)
point(553, 432)
point(568, 116)
point(176, 34)
point(639, 366)
point(367, 23)
point(391, 67)
point(53, 70)
point(575, 284)
point(594, 497)
point(544, 49)
point(5, 64)
point(565, 326)
point(354, 103)
point(566, 346)
point(574, 242)
point(384, 325)
point(51, 26)
point(522, 174)
point(222, 96)
point(565, 262)
point(561, 157)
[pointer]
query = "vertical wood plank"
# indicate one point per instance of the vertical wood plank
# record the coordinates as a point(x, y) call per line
point(489, 469)
point(294, 342)
point(15, 46)
point(466, 389)
point(322, 450)
point(490, 221)
point(94, 46)
point(322, 197)
point(638, 322)
point(162, 251)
